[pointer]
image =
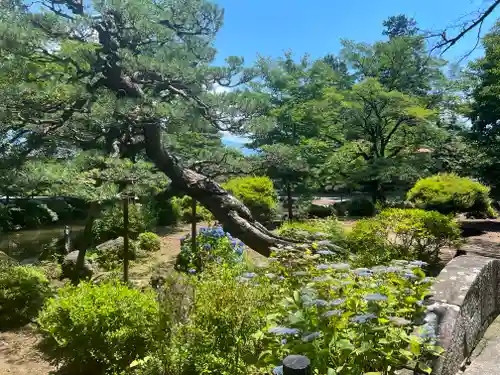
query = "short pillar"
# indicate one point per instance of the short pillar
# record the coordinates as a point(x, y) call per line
point(296, 365)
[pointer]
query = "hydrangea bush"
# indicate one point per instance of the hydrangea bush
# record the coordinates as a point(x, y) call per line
point(212, 245)
point(347, 321)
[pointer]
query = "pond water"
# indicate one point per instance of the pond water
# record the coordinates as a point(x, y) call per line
point(35, 244)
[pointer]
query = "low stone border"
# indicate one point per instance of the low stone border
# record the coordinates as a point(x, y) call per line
point(465, 300)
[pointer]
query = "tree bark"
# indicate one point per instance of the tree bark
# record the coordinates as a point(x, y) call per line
point(289, 201)
point(87, 234)
point(125, 240)
point(231, 213)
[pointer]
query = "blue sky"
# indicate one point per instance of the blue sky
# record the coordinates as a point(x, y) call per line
point(271, 27)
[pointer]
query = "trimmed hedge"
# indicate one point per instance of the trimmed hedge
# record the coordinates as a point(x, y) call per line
point(451, 194)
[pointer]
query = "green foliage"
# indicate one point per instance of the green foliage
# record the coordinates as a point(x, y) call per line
point(98, 328)
point(149, 242)
point(167, 210)
point(184, 205)
point(213, 245)
point(402, 234)
point(449, 193)
point(347, 321)
point(314, 229)
point(23, 290)
point(110, 225)
point(257, 193)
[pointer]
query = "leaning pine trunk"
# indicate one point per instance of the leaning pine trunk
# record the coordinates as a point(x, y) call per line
point(87, 234)
point(227, 210)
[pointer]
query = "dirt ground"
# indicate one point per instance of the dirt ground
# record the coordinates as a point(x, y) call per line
point(18, 353)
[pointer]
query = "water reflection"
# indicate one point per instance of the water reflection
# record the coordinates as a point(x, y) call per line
point(35, 244)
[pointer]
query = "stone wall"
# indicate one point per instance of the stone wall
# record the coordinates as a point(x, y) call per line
point(465, 300)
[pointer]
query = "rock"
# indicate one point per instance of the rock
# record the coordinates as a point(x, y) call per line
point(5, 258)
point(111, 245)
point(69, 268)
point(116, 247)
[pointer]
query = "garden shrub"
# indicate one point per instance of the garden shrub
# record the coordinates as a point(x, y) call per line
point(451, 194)
point(98, 329)
point(402, 233)
point(149, 242)
point(257, 193)
point(210, 325)
point(212, 245)
point(186, 213)
point(347, 321)
point(313, 229)
point(110, 225)
point(23, 290)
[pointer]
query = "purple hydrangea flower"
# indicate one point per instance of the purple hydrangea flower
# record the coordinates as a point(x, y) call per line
point(283, 331)
point(283, 342)
point(375, 297)
point(192, 270)
point(281, 277)
point(331, 313)
point(249, 275)
point(311, 336)
point(363, 318)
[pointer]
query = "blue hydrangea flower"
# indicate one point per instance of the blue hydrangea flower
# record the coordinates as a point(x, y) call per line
point(410, 275)
point(325, 252)
point(311, 336)
point(363, 318)
point(319, 302)
point(340, 266)
point(207, 246)
point(281, 277)
point(375, 297)
point(283, 342)
point(331, 313)
point(192, 270)
point(337, 302)
point(396, 320)
point(321, 278)
point(418, 263)
point(364, 274)
point(283, 331)
point(278, 370)
point(323, 267)
point(249, 275)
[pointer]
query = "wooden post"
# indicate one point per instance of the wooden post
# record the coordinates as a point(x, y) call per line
point(125, 240)
point(296, 365)
point(193, 225)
